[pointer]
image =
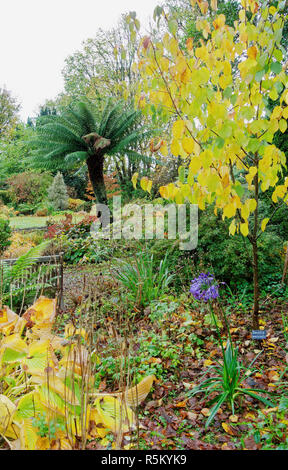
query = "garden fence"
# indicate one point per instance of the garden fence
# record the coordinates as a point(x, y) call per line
point(47, 270)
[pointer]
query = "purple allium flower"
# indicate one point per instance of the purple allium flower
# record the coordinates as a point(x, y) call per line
point(204, 287)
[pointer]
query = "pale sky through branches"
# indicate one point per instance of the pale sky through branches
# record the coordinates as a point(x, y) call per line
point(36, 36)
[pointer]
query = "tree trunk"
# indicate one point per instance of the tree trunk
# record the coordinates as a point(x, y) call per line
point(255, 252)
point(256, 285)
point(95, 165)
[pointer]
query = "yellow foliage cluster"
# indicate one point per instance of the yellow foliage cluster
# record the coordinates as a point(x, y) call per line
point(215, 95)
point(48, 400)
point(75, 204)
point(21, 243)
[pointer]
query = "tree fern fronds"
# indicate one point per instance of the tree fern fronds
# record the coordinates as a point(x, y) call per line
point(109, 119)
point(76, 157)
point(87, 117)
point(58, 133)
point(122, 125)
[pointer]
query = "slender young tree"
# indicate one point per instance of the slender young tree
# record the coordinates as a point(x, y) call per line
point(216, 93)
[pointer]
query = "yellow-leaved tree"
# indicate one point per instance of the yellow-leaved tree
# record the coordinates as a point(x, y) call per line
point(215, 95)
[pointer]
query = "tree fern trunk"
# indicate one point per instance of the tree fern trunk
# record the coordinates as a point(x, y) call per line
point(95, 165)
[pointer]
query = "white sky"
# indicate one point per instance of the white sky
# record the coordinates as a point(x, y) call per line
point(37, 35)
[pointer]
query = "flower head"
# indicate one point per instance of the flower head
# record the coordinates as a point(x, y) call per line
point(204, 287)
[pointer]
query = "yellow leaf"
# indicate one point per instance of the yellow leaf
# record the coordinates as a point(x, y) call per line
point(114, 414)
point(181, 404)
point(203, 7)
point(227, 428)
point(252, 205)
point(207, 363)
point(13, 348)
point(146, 184)
point(264, 223)
point(40, 355)
point(277, 112)
point(10, 321)
point(244, 229)
point(42, 443)
point(134, 395)
point(285, 113)
point(188, 144)
point(134, 179)
point(282, 125)
point(28, 435)
point(229, 211)
point(96, 427)
point(232, 228)
point(163, 192)
point(7, 409)
point(195, 165)
point(43, 311)
point(189, 44)
point(252, 52)
point(164, 149)
point(149, 186)
point(175, 148)
point(178, 129)
point(219, 22)
point(4, 316)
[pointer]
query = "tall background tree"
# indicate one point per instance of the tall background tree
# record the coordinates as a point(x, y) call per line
point(103, 66)
point(8, 113)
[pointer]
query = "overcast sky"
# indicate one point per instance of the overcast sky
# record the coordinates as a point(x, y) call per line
point(37, 35)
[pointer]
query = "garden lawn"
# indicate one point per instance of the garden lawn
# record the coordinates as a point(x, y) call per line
point(31, 221)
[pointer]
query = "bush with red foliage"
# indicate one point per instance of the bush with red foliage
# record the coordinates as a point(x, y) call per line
point(28, 187)
point(111, 185)
point(72, 230)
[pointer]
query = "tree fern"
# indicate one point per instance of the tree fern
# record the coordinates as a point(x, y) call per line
point(69, 140)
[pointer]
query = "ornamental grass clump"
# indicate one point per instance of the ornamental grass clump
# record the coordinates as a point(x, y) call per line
point(144, 279)
point(229, 374)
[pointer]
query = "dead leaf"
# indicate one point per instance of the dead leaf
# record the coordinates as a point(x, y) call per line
point(273, 340)
point(205, 412)
point(227, 428)
point(250, 444)
point(192, 416)
point(153, 404)
point(181, 404)
point(207, 363)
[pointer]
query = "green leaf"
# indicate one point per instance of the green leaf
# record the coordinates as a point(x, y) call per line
point(219, 142)
point(283, 405)
point(172, 26)
point(181, 172)
point(276, 67)
point(259, 75)
point(215, 408)
point(258, 397)
point(28, 406)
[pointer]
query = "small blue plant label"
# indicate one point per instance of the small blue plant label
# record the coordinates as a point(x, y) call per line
point(259, 334)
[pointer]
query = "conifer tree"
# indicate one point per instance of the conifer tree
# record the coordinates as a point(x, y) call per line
point(57, 193)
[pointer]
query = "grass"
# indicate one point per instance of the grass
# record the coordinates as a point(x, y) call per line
point(31, 221)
